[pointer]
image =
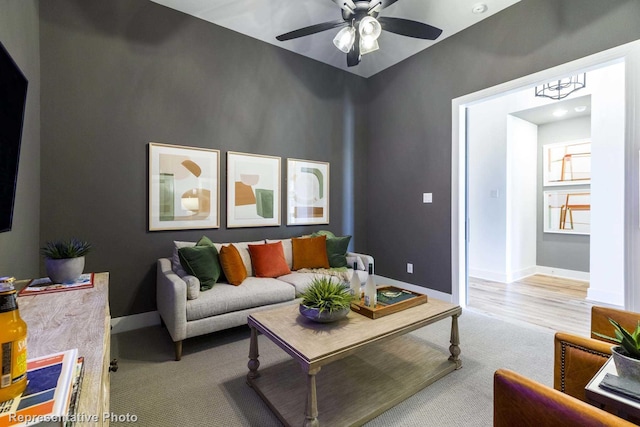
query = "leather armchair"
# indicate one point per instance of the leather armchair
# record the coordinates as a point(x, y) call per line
point(520, 401)
point(577, 359)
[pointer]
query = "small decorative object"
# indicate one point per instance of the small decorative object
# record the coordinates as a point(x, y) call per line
point(370, 290)
point(325, 300)
point(64, 259)
point(626, 356)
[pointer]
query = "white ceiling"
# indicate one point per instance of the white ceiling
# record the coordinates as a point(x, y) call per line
point(544, 114)
point(266, 19)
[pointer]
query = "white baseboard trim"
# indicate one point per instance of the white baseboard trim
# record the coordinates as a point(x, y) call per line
point(381, 280)
point(521, 274)
point(609, 298)
point(135, 321)
point(566, 274)
point(493, 276)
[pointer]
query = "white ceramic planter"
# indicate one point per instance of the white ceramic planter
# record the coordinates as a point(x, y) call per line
point(626, 366)
point(66, 270)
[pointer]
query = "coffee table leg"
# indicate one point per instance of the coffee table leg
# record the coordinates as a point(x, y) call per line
point(454, 348)
point(311, 410)
point(254, 363)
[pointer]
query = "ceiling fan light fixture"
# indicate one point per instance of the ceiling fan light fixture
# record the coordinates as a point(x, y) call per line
point(345, 38)
point(369, 28)
point(368, 46)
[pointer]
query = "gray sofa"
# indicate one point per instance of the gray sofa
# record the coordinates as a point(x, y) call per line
point(188, 312)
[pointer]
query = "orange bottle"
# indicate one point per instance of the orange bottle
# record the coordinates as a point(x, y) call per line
point(13, 345)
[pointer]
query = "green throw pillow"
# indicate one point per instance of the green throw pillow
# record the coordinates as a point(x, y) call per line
point(337, 250)
point(205, 241)
point(323, 233)
point(202, 262)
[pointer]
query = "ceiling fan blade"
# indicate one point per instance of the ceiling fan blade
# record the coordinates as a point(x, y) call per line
point(307, 31)
point(353, 57)
point(378, 5)
point(406, 27)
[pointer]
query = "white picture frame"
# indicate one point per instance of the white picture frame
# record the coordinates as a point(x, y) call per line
point(567, 211)
point(307, 192)
point(567, 163)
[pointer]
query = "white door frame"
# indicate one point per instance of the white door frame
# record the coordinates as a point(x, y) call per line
point(630, 53)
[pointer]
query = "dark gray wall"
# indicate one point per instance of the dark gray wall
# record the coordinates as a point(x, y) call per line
point(409, 142)
point(19, 30)
point(567, 251)
point(119, 74)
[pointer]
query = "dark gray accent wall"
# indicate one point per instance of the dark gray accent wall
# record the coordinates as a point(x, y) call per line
point(19, 256)
point(566, 251)
point(119, 74)
point(409, 142)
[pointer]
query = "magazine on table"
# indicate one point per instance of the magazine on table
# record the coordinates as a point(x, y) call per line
point(49, 392)
point(45, 286)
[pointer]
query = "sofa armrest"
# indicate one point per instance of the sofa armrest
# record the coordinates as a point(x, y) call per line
point(171, 298)
point(366, 259)
point(576, 360)
point(518, 400)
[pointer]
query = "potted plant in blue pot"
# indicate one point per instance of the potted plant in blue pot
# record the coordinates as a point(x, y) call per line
point(64, 259)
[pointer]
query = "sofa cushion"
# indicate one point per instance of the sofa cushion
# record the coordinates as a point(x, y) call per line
point(232, 265)
point(310, 252)
point(300, 281)
point(268, 260)
point(337, 251)
point(288, 250)
point(225, 298)
point(243, 249)
point(201, 262)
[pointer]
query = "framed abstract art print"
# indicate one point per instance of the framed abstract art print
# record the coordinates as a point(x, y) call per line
point(184, 187)
point(253, 190)
point(307, 192)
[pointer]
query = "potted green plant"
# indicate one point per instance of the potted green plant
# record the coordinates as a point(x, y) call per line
point(626, 355)
point(64, 259)
point(325, 300)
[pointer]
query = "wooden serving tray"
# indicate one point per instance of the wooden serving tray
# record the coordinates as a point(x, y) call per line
point(382, 309)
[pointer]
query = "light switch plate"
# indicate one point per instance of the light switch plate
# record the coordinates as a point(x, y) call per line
point(427, 197)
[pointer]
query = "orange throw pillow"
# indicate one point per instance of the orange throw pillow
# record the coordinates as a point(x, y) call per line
point(232, 265)
point(268, 260)
point(310, 252)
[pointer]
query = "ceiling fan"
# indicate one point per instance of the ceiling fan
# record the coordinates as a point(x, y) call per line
point(361, 28)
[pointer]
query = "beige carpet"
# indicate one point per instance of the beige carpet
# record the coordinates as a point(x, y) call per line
point(207, 387)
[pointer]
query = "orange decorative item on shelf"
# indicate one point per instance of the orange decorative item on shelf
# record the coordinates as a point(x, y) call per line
point(13, 345)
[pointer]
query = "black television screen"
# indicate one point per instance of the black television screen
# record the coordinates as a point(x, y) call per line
point(13, 97)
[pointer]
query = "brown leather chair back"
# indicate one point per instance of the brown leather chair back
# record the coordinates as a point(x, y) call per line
point(520, 401)
point(600, 321)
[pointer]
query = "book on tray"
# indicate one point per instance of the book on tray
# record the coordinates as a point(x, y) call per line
point(51, 396)
point(45, 286)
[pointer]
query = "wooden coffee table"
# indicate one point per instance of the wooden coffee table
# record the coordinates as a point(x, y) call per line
point(368, 365)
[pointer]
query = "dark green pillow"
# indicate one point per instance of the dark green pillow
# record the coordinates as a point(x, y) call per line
point(327, 233)
point(202, 262)
point(204, 241)
point(337, 250)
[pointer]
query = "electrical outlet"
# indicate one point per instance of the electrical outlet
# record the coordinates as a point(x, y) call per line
point(409, 268)
point(427, 197)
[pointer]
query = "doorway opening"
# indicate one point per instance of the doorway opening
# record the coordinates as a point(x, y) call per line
point(523, 247)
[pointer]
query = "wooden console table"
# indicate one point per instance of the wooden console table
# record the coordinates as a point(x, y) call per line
point(75, 319)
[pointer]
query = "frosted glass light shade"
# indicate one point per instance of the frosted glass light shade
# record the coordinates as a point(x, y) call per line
point(368, 46)
point(345, 38)
point(370, 28)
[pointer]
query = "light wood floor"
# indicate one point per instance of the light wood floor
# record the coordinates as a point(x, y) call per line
point(550, 302)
